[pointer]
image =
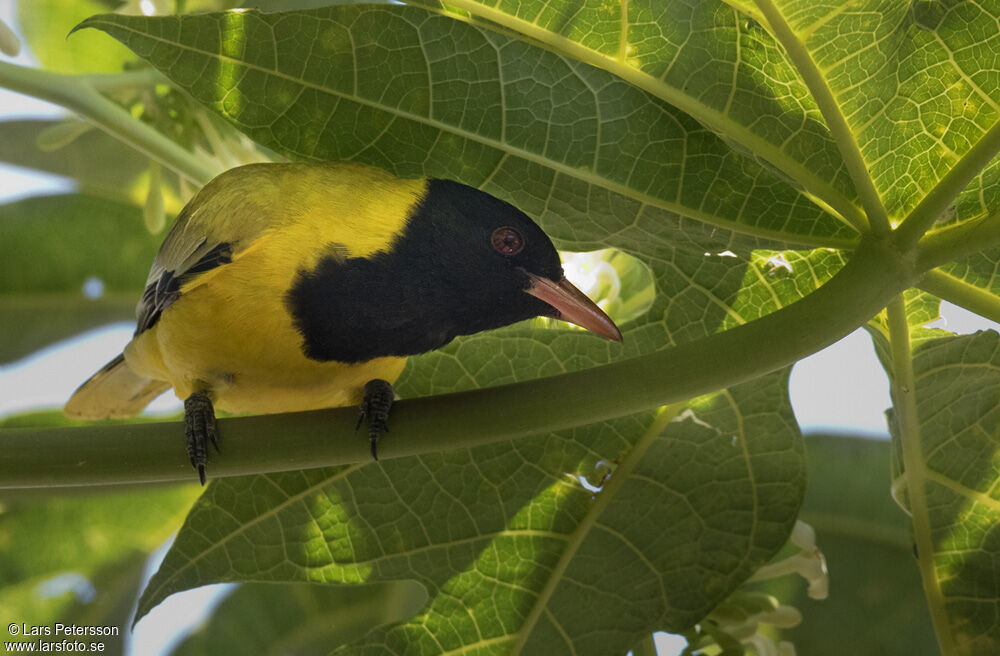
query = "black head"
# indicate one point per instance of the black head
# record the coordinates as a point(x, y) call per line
point(466, 262)
point(482, 250)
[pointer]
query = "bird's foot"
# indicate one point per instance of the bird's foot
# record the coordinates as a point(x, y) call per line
point(375, 409)
point(200, 427)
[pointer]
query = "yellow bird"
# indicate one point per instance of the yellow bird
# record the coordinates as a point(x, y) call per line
point(285, 287)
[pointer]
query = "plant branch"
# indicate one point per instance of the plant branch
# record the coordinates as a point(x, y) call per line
point(956, 241)
point(948, 188)
point(79, 94)
point(268, 443)
point(972, 298)
point(905, 402)
point(878, 218)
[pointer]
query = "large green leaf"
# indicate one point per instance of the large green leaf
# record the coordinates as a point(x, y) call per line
point(300, 619)
point(911, 81)
point(513, 550)
point(876, 605)
point(956, 468)
point(49, 247)
point(706, 59)
point(596, 160)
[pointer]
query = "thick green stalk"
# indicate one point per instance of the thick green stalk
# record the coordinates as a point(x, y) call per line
point(956, 241)
point(77, 93)
point(905, 403)
point(154, 452)
point(972, 298)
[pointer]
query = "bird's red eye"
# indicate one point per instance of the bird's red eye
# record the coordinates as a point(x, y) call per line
point(507, 241)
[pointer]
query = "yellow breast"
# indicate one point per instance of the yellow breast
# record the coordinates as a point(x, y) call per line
point(230, 332)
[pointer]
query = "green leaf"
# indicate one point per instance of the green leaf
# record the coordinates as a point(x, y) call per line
point(704, 58)
point(300, 620)
point(954, 469)
point(874, 580)
point(49, 247)
point(101, 541)
point(45, 24)
point(911, 83)
point(507, 533)
point(597, 161)
point(82, 236)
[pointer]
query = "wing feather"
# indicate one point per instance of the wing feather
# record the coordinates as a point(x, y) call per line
point(220, 222)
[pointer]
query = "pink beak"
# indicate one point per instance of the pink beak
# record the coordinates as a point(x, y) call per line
point(572, 305)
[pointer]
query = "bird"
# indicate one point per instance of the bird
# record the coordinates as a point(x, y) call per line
point(284, 287)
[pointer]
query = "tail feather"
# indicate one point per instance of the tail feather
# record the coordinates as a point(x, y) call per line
point(114, 391)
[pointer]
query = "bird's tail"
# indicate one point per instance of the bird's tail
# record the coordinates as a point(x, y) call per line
point(114, 391)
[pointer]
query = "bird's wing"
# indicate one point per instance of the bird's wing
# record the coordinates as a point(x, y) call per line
point(225, 218)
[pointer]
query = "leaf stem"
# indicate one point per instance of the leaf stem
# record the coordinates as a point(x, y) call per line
point(878, 218)
point(268, 443)
point(109, 82)
point(79, 94)
point(956, 241)
point(905, 402)
point(618, 478)
point(948, 188)
point(972, 298)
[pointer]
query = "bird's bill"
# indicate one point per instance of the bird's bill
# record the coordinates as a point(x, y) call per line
point(572, 305)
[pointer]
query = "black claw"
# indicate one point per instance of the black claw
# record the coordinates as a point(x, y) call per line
point(375, 408)
point(200, 428)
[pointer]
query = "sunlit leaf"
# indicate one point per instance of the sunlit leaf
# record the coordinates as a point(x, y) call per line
point(927, 97)
point(418, 93)
point(714, 63)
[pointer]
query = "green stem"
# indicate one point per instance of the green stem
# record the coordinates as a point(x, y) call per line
point(878, 218)
point(608, 494)
point(972, 298)
point(268, 443)
point(948, 188)
point(956, 241)
point(79, 95)
point(110, 82)
point(905, 403)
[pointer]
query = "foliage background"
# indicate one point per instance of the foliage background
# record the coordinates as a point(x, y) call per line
point(104, 206)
